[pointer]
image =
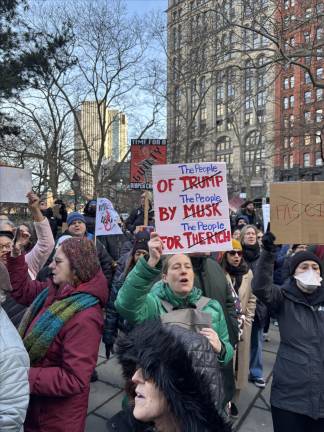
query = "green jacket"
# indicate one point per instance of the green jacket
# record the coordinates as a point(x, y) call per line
point(136, 303)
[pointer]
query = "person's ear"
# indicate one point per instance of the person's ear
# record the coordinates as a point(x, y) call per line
point(164, 277)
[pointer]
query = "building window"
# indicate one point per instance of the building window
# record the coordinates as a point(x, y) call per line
point(319, 94)
point(248, 103)
point(318, 135)
point(307, 78)
point(319, 73)
point(291, 120)
point(286, 102)
point(307, 37)
point(318, 159)
point(261, 99)
point(307, 139)
point(307, 96)
point(307, 116)
point(291, 160)
point(319, 115)
point(219, 125)
point(220, 110)
point(248, 119)
point(306, 158)
point(286, 83)
point(285, 161)
point(291, 101)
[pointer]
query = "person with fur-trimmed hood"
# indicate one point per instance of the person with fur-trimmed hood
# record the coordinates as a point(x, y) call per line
point(173, 381)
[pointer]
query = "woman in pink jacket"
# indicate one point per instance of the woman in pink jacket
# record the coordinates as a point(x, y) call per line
point(61, 331)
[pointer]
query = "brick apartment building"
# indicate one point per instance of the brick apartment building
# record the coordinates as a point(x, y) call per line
point(299, 105)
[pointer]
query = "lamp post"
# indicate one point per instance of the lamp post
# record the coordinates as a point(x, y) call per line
point(75, 183)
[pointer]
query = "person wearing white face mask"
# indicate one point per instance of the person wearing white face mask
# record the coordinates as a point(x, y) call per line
point(297, 395)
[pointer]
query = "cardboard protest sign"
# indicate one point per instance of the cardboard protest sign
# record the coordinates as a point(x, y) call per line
point(106, 218)
point(266, 216)
point(144, 154)
point(191, 207)
point(297, 212)
point(15, 183)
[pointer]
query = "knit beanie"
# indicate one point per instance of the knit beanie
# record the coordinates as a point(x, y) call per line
point(245, 218)
point(299, 257)
point(75, 216)
point(140, 244)
point(8, 234)
point(82, 255)
point(236, 245)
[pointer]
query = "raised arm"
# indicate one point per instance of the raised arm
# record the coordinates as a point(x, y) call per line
point(24, 290)
point(134, 302)
point(262, 282)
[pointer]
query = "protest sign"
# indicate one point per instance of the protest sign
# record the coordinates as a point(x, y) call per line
point(144, 154)
point(106, 218)
point(15, 183)
point(297, 212)
point(191, 207)
point(266, 216)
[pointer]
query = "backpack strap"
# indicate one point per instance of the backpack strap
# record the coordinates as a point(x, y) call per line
point(201, 303)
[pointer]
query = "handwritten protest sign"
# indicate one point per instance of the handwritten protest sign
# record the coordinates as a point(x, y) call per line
point(144, 154)
point(106, 218)
point(266, 216)
point(191, 207)
point(297, 212)
point(15, 183)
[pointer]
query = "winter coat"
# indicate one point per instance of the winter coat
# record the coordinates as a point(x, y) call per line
point(60, 383)
point(298, 374)
point(39, 254)
point(14, 387)
point(136, 218)
point(261, 310)
point(210, 278)
point(253, 218)
point(35, 260)
point(183, 366)
point(136, 303)
point(242, 352)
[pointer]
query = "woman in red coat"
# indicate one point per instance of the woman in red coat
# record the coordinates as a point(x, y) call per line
point(61, 330)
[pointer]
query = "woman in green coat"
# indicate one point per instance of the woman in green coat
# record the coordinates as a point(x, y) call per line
point(136, 303)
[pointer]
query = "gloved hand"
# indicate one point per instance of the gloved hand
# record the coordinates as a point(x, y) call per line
point(268, 242)
point(109, 350)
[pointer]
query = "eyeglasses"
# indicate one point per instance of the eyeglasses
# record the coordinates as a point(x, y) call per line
point(233, 253)
point(5, 247)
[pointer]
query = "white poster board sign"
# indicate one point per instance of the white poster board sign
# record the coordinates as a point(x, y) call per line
point(266, 216)
point(106, 218)
point(191, 207)
point(15, 183)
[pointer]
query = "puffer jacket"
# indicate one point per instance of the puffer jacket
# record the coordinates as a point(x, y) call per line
point(183, 366)
point(136, 303)
point(60, 382)
point(14, 386)
point(298, 375)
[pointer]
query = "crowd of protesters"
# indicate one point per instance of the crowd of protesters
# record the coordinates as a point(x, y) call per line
point(188, 330)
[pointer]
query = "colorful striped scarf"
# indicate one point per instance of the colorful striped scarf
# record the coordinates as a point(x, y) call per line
point(48, 325)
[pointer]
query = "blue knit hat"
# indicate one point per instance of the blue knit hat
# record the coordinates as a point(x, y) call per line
point(75, 216)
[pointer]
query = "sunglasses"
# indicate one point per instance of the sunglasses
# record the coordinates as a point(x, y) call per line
point(233, 253)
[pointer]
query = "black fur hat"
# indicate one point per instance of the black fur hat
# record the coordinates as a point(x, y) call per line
point(184, 366)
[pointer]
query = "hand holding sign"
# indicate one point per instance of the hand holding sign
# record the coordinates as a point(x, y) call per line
point(155, 249)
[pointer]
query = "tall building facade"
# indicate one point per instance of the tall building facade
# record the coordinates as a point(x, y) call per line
point(220, 97)
point(103, 133)
point(300, 105)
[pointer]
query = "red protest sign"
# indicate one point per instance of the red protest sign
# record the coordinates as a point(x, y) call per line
point(144, 154)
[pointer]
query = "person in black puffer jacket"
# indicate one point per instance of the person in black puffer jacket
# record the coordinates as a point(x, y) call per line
point(251, 255)
point(173, 381)
point(297, 394)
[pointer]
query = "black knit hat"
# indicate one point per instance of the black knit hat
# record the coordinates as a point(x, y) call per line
point(300, 257)
point(8, 234)
point(140, 244)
